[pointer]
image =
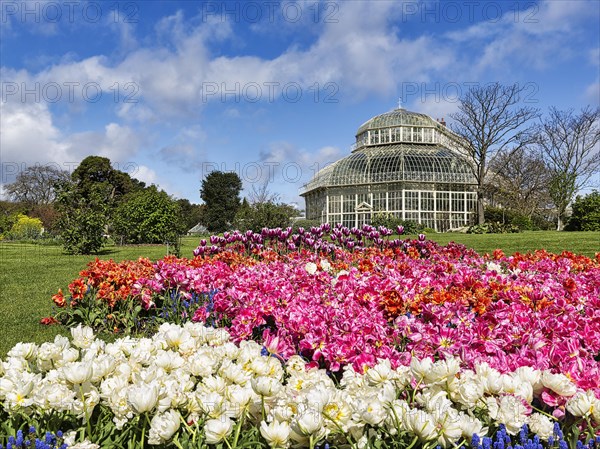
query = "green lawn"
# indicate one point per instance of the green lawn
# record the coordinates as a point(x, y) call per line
point(587, 243)
point(31, 274)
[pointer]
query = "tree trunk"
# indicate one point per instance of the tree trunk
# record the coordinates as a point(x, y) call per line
point(480, 209)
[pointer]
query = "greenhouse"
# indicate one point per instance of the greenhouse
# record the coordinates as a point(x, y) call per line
point(403, 163)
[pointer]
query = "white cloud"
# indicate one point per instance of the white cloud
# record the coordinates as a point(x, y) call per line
point(29, 136)
point(592, 94)
point(289, 167)
point(540, 36)
point(145, 174)
point(116, 142)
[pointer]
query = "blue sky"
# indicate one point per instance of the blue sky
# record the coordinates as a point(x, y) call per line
point(170, 90)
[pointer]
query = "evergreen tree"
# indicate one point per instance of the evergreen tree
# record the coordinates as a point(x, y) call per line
point(148, 216)
point(221, 195)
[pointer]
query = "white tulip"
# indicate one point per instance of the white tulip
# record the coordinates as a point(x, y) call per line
point(82, 336)
point(515, 385)
point(276, 433)
point(420, 368)
point(26, 351)
point(142, 398)
point(266, 386)
point(471, 426)
point(85, 445)
point(308, 423)
point(234, 373)
point(325, 265)
point(380, 373)
point(489, 377)
point(532, 376)
point(449, 426)
point(168, 360)
point(163, 426)
point(582, 404)
point(213, 384)
point(512, 412)
point(311, 268)
point(78, 372)
point(420, 423)
point(216, 430)
point(559, 383)
point(442, 371)
point(541, 425)
point(373, 412)
point(469, 392)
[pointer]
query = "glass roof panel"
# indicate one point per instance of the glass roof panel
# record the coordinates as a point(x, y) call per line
point(395, 163)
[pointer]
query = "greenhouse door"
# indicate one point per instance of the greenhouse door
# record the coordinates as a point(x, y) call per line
point(363, 214)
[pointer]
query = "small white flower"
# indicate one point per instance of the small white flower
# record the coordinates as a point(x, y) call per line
point(420, 423)
point(266, 386)
point(559, 383)
point(83, 336)
point(325, 265)
point(310, 267)
point(494, 266)
point(163, 426)
point(216, 430)
point(78, 372)
point(582, 404)
point(84, 445)
point(143, 397)
point(541, 425)
point(276, 433)
point(380, 373)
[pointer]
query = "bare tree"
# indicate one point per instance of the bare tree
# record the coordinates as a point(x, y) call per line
point(490, 122)
point(519, 180)
point(262, 194)
point(37, 184)
point(569, 144)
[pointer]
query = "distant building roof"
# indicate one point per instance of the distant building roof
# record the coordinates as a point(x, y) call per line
point(198, 229)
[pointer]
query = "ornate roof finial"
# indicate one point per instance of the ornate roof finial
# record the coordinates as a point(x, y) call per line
point(400, 103)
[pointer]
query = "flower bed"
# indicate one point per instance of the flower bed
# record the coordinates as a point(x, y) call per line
point(452, 335)
point(191, 386)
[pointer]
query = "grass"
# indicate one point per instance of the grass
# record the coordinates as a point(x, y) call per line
point(30, 274)
point(586, 243)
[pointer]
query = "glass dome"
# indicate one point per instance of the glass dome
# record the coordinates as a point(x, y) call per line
point(403, 163)
point(397, 117)
point(395, 163)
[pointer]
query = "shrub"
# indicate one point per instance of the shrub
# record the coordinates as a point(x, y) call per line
point(83, 219)
point(149, 216)
point(493, 228)
point(25, 228)
point(388, 220)
point(304, 223)
point(264, 215)
point(586, 213)
point(508, 216)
